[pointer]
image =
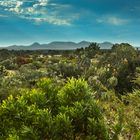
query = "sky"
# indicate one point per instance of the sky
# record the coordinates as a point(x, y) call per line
point(43, 21)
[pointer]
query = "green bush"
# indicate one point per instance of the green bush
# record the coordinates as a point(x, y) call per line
point(51, 112)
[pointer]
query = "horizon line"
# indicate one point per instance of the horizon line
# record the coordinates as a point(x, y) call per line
point(41, 43)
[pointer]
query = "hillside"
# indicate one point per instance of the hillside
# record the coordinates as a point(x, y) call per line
point(57, 45)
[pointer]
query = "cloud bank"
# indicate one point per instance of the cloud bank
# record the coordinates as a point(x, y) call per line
point(40, 11)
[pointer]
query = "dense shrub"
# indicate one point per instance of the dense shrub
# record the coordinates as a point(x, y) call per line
point(30, 115)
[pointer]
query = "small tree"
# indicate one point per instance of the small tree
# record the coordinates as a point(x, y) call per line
point(92, 50)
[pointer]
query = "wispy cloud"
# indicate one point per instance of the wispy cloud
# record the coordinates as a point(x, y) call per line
point(51, 19)
point(113, 20)
point(39, 11)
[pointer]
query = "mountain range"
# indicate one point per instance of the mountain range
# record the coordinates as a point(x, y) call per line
point(57, 45)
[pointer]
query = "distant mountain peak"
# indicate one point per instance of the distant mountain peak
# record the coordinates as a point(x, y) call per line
point(83, 41)
point(35, 44)
point(59, 45)
point(106, 42)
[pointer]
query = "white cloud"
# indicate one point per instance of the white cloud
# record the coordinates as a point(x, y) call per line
point(43, 2)
point(17, 8)
point(51, 19)
point(112, 20)
point(6, 3)
point(39, 11)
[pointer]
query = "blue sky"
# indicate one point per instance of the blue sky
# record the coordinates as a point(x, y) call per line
point(43, 21)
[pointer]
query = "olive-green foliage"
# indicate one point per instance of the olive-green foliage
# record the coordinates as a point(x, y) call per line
point(123, 51)
point(121, 62)
point(35, 107)
point(75, 90)
point(100, 132)
point(65, 69)
point(122, 117)
point(9, 64)
point(92, 50)
point(52, 112)
point(136, 80)
point(3, 71)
